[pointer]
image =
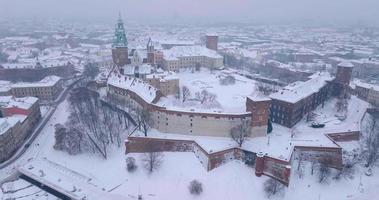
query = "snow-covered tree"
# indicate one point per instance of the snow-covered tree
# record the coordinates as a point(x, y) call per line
point(273, 187)
point(91, 70)
point(131, 165)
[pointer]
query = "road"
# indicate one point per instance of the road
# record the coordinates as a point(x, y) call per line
point(40, 125)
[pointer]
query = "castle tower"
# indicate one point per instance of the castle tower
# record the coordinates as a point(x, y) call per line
point(343, 77)
point(120, 45)
point(150, 52)
point(259, 106)
point(211, 41)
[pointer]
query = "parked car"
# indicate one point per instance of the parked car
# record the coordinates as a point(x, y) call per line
point(317, 125)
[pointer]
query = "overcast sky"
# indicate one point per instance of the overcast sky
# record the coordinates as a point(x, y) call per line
point(326, 11)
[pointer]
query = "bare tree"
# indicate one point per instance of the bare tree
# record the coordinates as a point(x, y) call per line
point(205, 96)
point(186, 93)
point(240, 132)
point(195, 187)
point(311, 116)
point(144, 120)
point(96, 126)
point(324, 173)
point(342, 105)
point(91, 70)
point(131, 164)
point(273, 187)
point(371, 141)
point(153, 158)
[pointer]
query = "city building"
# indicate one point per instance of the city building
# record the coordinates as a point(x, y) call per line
point(143, 95)
point(35, 71)
point(366, 91)
point(297, 99)
point(211, 41)
point(18, 117)
point(166, 82)
point(47, 89)
point(191, 57)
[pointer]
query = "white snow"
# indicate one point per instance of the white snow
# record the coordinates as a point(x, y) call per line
point(229, 98)
point(141, 88)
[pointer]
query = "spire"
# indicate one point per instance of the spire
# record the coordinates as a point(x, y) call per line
point(119, 38)
point(119, 16)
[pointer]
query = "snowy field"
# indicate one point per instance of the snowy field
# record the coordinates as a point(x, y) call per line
point(229, 98)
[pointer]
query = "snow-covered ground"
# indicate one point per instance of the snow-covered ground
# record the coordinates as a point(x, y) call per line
point(327, 115)
point(229, 98)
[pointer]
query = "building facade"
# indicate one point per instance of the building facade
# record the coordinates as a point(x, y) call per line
point(204, 123)
point(47, 89)
point(343, 77)
point(211, 41)
point(296, 100)
point(18, 117)
point(191, 57)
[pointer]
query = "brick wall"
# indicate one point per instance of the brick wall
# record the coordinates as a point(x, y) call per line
point(345, 136)
point(208, 160)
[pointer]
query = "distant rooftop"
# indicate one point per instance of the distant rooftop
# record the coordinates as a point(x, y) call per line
point(345, 64)
point(188, 51)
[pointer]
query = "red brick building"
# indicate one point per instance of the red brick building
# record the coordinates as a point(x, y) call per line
point(211, 41)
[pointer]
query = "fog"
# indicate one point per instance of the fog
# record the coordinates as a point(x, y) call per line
point(259, 11)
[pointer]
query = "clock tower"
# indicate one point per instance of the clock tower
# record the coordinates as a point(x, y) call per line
point(120, 45)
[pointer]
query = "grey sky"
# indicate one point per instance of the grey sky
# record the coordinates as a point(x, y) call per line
point(327, 11)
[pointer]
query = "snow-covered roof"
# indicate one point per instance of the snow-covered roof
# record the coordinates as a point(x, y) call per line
point(48, 81)
point(8, 122)
point(211, 34)
point(345, 64)
point(141, 88)
point(23, 102)
point(5, 86)
point(189, 51)
point(141, 69)
point(166, 75)
point(357, 82)
point(297, 91)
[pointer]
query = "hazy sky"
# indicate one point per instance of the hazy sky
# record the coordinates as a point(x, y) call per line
point(327, 11)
